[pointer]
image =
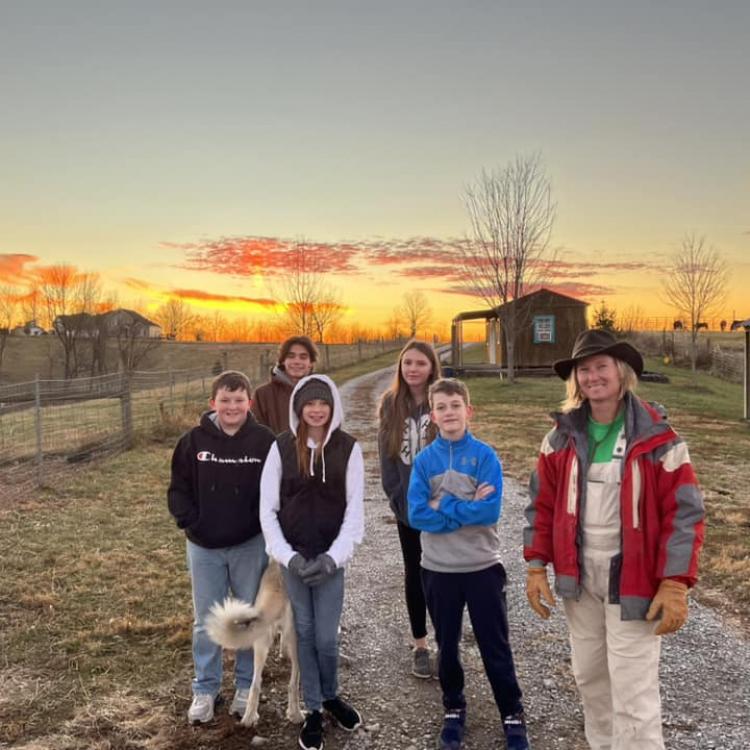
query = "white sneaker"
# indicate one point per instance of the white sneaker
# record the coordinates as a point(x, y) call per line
point(239, 702)
point(201, 710)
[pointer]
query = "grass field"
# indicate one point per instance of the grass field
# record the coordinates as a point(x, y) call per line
point(94, 598)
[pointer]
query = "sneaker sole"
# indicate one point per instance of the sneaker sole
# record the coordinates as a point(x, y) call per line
point(421, 676)
point(341, 726)
point(306, 747)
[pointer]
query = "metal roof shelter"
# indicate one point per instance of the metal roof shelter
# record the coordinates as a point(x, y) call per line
point(547, 324)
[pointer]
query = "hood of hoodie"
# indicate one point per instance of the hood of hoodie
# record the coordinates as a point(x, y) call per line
point(280, 376)
point(337, 412)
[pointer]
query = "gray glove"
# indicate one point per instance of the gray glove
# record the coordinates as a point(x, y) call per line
point(319, 570)
point(298, 565)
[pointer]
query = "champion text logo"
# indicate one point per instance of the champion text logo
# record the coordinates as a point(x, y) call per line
point(213, 458)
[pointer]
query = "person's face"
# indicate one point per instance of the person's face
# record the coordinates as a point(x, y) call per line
point(598, 378)
point(297, 363)
point(316, 413)
point(231, 408)
point(451, 414)
point(416, 369)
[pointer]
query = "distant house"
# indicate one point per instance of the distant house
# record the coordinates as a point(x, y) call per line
point(130, 322)
point(112, 323)
point(30, 328)
point(547, 325)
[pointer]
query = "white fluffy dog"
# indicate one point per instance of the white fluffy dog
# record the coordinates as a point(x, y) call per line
point(238, 625)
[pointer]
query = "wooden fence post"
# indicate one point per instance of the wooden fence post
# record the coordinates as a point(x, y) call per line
point(38, 420)
point(126, 410)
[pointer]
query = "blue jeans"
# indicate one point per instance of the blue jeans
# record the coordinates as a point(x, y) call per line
point(214, 572)
point(317, 612)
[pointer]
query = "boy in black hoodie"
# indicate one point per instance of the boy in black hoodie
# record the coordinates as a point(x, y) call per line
point(214, 495)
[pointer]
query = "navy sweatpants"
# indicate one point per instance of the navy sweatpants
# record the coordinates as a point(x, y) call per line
point(483, 594)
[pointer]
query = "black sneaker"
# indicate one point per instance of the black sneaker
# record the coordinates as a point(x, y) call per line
point(311, 734)
point(514, 727)
point(452, 734)
point(346, 716)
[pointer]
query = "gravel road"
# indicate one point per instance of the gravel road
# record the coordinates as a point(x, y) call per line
point(705, 667)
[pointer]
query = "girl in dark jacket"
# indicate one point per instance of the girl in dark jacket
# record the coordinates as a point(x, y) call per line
point(312, 515)
point(404, 429)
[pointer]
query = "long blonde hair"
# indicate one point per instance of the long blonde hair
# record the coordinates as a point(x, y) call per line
point(397, 402)
point(574, 398)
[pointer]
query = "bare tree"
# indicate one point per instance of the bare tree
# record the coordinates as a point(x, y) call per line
point(311, 305)
point(508, 252)
point(414, 313)
point(69, 298)
point(175, 317)
point(9, 301)
point(696, 285)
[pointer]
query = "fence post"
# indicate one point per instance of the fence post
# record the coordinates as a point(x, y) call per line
point(171, 390)
point(225, 359)
point(38, 420)
point(359, 350)
point(126, 410)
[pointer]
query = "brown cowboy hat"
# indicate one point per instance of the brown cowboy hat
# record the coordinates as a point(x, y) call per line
point(597, 341)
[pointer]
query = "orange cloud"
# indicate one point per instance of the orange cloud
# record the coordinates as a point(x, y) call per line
point(197, 295)
point(13, 267)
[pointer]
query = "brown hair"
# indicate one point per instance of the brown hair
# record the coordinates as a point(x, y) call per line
point(574, 398)
point(232, 380)
point(303, 452)
point(451, 387)
point(397, 402)
point(303, 341)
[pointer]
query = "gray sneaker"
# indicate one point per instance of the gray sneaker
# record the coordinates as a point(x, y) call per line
point(239, 702)
point(421, 664)
point(201, 710)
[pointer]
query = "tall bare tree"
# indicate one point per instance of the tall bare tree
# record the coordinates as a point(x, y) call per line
point(696, 285)
point(9, 303)
point(414, 313)
point(311, 304)
point(175, 317)
point(508, 253)
point(69, 299)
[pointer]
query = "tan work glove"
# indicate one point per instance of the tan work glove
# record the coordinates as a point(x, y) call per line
point(671, 601)
point(537, 588)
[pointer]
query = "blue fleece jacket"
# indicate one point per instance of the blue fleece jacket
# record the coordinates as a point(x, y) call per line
point(461, 534)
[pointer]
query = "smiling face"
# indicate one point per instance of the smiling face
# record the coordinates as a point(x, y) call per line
point(297, 363)
point(416, 369)
point(231, 408)
point(599, 379)
point(451, 414)
point(316, 413)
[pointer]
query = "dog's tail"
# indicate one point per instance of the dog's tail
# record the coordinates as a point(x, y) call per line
point(230, 624)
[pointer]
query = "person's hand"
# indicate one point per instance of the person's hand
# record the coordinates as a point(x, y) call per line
point(537, 588)
point(671, 601)
point(320, 569)
point(484, 490)
point(298, 565)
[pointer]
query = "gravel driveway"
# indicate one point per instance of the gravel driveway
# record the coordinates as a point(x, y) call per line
point(705, 667)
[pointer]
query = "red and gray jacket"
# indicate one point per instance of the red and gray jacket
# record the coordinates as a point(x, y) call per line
point(661, 508)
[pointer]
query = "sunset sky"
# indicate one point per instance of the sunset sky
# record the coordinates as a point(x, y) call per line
point(179, 148)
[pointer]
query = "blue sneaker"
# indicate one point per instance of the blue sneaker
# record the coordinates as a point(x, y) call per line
point(452, 734)
point(514, 727)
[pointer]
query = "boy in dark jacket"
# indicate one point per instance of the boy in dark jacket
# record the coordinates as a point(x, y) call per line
point(214, 495)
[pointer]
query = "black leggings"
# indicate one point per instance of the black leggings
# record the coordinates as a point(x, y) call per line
point(411, 548)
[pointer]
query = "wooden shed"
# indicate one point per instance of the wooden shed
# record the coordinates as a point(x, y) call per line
point(547, 325)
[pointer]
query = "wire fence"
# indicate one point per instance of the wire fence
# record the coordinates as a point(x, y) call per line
point(48, 427)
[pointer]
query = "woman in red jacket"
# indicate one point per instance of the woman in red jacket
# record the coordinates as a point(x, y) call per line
point(615, 508)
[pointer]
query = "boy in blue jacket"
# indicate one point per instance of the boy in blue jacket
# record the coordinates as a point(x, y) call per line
point(455, 497)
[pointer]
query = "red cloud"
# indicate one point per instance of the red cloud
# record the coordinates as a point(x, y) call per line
point(201, 296)
point(12, 267)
